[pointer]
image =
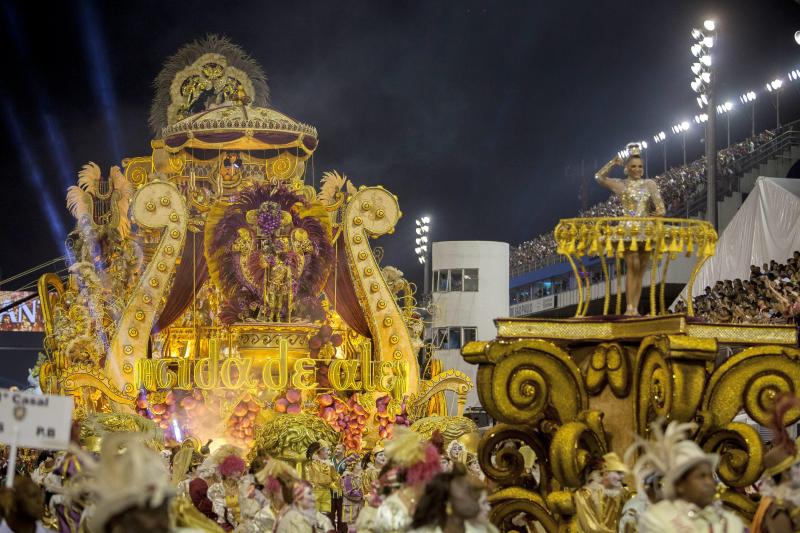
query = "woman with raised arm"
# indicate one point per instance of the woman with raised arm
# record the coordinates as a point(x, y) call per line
point(636, 196)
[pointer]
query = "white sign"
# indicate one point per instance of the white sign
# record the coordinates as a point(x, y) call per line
point(31, 420)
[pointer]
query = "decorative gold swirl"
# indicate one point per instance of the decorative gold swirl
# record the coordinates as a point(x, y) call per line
point(741, 453)
point(751, 380)
point(504, 464)
point(137, 169)
point(528, 377)
point(510, 502)
point(152, 208)
point(373, 211)
point(573, 445)
point(652, 386)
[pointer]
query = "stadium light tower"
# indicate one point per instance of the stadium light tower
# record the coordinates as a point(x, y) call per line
point(422, 250)
point(682, 128)
point(725, 109)
point(661, 138)
point(703, 84)
point(775, 87)
point(750, 97)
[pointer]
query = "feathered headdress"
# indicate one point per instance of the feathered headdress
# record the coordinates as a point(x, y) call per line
point(186, 56)
point(784, 452)
point(408, 451)
point(126, 475)
point(669, 455)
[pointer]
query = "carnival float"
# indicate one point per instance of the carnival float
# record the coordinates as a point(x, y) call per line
point(567, 392)
point(213, 290)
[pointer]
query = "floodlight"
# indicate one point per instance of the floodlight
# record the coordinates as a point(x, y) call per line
point(710, 25)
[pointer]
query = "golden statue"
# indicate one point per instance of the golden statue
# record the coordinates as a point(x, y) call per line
point(636, 194)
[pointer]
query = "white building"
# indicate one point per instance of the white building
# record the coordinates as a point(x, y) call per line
point(470, 290)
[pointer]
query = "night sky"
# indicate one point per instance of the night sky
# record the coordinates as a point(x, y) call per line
point(469, 111)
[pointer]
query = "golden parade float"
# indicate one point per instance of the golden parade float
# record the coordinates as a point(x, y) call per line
point(573, 390)
point(213, 290)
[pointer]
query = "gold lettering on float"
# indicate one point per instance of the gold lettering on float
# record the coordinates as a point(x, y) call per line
point(282, 363)
point(235, 373)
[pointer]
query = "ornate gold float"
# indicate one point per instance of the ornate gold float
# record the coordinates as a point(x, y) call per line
point(213, 287)
point(575, 389)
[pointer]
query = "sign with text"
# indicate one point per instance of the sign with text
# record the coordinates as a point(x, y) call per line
point(26, 316)
point(41, 421)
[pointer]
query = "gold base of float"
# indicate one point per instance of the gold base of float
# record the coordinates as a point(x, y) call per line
point(576, 389)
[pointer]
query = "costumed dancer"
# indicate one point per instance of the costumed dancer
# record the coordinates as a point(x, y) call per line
point(371, 470)
point(412, 463)
point(689, 487)
point(352, 493)
point(598, 504)
point(302, 515)
point(130, 492)
point(322, 475)
point(275, 480)
point(453, 502)
point(636, 194)
point(779, 508)
point(224, 494)
point(337, 500)
point(648, 471)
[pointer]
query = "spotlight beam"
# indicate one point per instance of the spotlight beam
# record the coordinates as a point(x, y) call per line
point(34, 174)
point(95, 50)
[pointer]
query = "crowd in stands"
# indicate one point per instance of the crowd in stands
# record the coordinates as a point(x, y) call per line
point(770, 296)
point(680, 187)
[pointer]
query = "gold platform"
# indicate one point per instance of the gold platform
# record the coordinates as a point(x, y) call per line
point(592, 329)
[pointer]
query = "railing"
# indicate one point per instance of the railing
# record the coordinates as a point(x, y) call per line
point(786, 137)
point(613, 237)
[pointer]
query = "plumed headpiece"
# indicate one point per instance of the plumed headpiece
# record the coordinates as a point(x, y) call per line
point(275, 468)
point(408, 451)
point(405, 447)
point(222, 54)
point(669, 455)
point(126, 475)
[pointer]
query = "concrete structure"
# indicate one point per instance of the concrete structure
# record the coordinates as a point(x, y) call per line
point(470, 290)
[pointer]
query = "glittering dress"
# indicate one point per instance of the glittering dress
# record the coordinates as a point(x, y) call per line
point(635, 200)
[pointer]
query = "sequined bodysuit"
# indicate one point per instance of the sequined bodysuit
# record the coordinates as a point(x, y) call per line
point(635, 199)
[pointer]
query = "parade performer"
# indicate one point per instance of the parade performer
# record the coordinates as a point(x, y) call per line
point(779, 508)
point(372, 469)
point(302, 515)
point(412, 462)
point(689, 487)
point(598, 504)
point(337, 499)
point(129, 491)
point(275, 480)
point(636, 194)
point(452, 502)
point(352, 493)
point(322, 476)
point(224, 494)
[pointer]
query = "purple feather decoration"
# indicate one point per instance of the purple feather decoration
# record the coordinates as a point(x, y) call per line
point(242, 280)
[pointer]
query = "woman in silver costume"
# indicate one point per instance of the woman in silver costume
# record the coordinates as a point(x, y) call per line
point(636, 196)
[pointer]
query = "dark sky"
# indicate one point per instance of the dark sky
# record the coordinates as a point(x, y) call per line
point(469, 111)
